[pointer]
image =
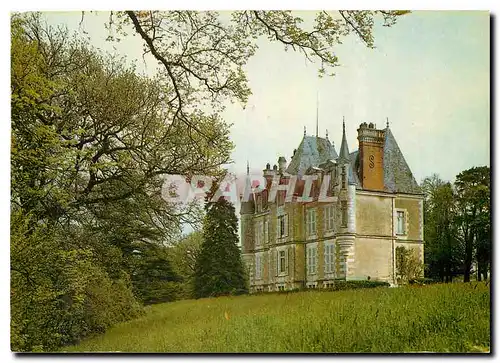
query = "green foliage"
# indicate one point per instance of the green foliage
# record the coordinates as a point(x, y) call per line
point(183, 255)
point(473, 217)
point(90, 142)
point(153, 277)
point(438, 318)
point(59, 294)
point(457, 227)
point(442, 248)
point(362, 284)
point(219, 267)
point(408, 265)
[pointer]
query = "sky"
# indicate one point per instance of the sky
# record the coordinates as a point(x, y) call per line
point(428, 75)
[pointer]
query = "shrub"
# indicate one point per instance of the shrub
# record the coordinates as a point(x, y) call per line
point(408, 265)
point(361, 284)
point(59, 294)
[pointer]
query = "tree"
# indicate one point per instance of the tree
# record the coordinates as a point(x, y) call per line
point(443, 255)
point(153, 276)
point(203, 57)
point(473, 202)
point(408, 264)
point(89, 146)
point(219, 266)
point(183, 255)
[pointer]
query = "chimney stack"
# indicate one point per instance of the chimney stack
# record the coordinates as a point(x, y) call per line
point(371, 156)
point(281, 164)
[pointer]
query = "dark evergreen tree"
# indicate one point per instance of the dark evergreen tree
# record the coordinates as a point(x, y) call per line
point(219, 267)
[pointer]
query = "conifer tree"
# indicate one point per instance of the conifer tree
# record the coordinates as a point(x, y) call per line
point(219, 267)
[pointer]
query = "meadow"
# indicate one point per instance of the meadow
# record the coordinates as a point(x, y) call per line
point(434, 318)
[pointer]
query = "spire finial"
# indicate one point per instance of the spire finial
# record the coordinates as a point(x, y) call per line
point(304, 131)
point(327, 134)
point(248, 168)
point(387, 122)
point(344, 149)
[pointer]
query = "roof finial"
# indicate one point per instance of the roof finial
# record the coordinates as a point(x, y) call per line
point(304, 131)
point(327, 134)
point(344, 149)
point(387, 122)
point(248, 168)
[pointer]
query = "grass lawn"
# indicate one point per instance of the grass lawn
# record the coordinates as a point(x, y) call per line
point(437, 318)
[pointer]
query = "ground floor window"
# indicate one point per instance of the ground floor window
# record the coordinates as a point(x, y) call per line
point(328, 285)
point(312, 285)
point(311, 259)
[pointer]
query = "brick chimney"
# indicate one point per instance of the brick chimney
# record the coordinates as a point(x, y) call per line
point(371, 156)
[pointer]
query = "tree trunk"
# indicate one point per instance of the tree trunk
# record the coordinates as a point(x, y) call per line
point(468, 256)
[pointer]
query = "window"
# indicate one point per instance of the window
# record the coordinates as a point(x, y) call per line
point(282, 226)
point(311, 259)
point(281, 287)
point(282, 262)
point(343, 207)
point(401, 223)
point(312, 285)
point(259, 233)
point(328, 285)
point(329, 258)
point(329, 217)
point(266, 232)
point(311, 222)
point(281, 259)
point(258, 267)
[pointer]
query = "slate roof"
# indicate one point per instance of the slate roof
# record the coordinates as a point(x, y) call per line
point(344, 149)
point(352, 175)
point(312, 151)
point(397, 174)
point(317, 152)
point(398, 177)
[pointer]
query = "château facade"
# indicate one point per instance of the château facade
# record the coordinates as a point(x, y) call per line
point(328, 216)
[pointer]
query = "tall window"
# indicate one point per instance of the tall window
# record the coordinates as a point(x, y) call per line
point(258, 267)
point(329, 219)
point(282, 226)
point(401, 222)
point(266, 232)
point(259, 233)
point(343, 207)
point(311, 222)
point(311, 259)
point(329, 257)
point(282, 262)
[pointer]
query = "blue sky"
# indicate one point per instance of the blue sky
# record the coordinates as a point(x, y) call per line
point(429, 74)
